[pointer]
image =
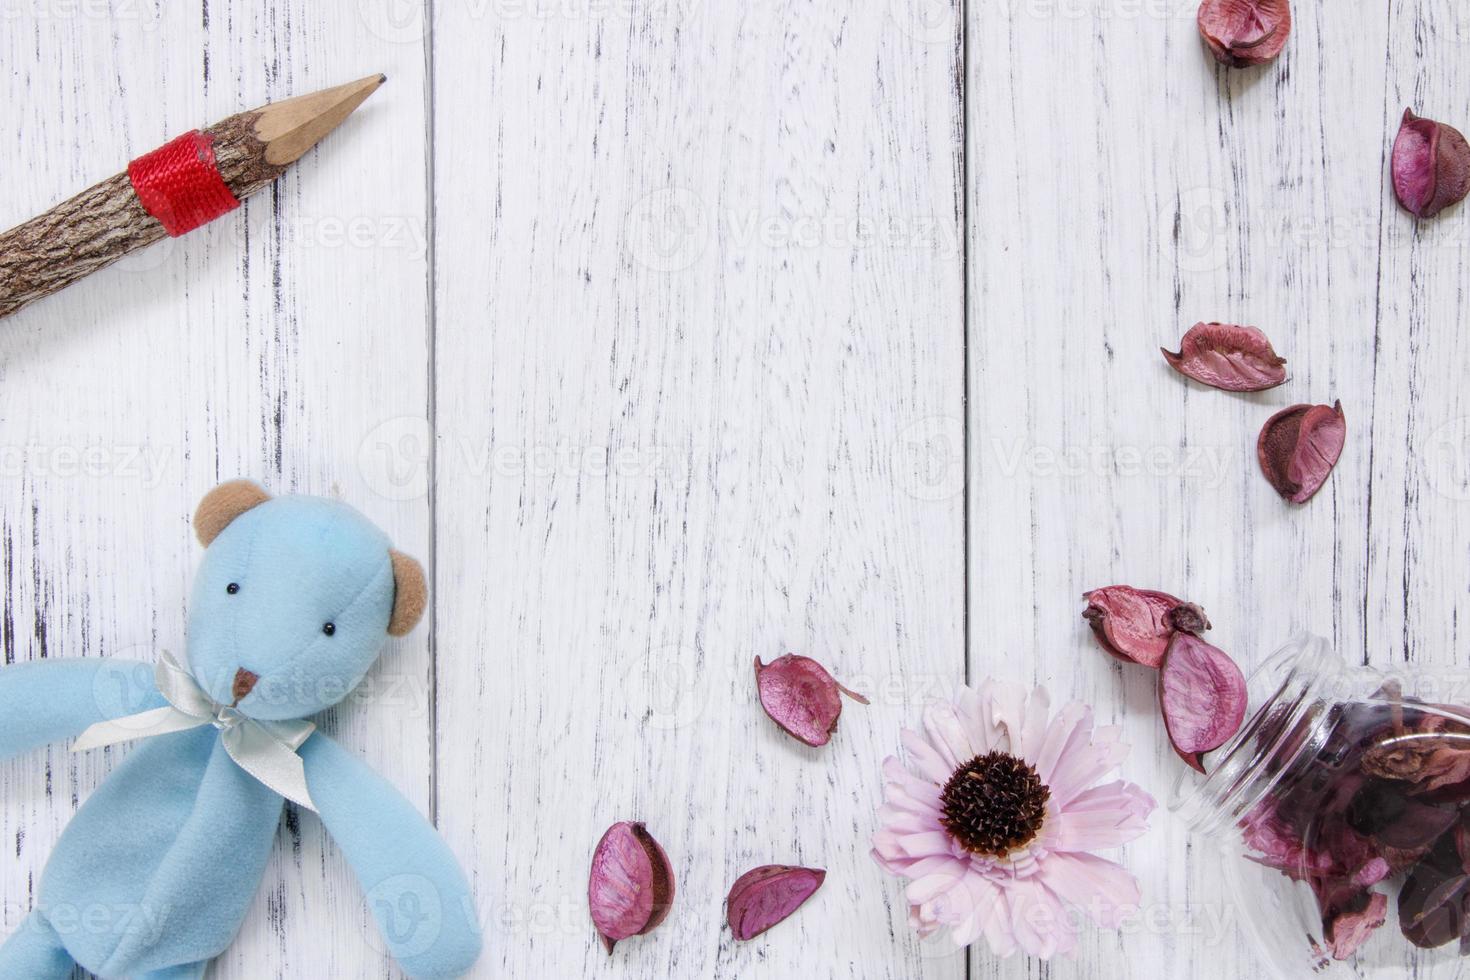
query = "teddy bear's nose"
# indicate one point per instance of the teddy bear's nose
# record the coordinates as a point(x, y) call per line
point(244, 683)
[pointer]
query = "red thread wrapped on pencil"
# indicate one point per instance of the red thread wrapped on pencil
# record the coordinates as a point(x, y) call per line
point(180, 184)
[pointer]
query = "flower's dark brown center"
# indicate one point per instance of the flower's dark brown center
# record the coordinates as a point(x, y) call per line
point(994, 804)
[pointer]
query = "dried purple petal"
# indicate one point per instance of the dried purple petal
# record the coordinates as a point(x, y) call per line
point(1203, 696)
point(1350, 925)
point(1187, 618)
point(1432, 902)
point(764, 896)
point(1241, 33)
point(1375, 806)
point(1361, 815)
point(1455, 794)
point(1417, 825)
point(1461, 837)
point(801, 697)
point(1135, 625)
point(1431, 166)
point(1269, 841)
point(1354, 858)
point(1432, 908)
point(1298, 448)
point(1228, 357)
point(1427, 762)
point(631, 887)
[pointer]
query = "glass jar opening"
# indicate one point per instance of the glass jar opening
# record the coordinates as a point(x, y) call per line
point(1291, 700)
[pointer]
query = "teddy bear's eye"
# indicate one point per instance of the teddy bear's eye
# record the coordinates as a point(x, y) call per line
point(329, 628)
point(232, 588)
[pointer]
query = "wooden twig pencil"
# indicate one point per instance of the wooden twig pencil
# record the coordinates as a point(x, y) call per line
point(176, 188)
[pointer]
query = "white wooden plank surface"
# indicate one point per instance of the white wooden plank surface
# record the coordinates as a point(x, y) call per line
point(698, 284)
point(1418, 467)
point(695, 372)
point(267, 345)
point(1123, 188)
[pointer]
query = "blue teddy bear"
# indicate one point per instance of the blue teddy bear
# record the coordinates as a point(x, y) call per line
point(291, 606)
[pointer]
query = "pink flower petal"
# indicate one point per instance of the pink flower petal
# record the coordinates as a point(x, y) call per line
point(1035, 724)
point(1102, 889)
point(912, 793)
point(895, 860)
point(909, 792)
point(1070, 729)
point(894, 771)
point(903, 822)
point(1080, 769)
point(1103, 817)
point(936, 883)
point(925, 805)
point(908, 867)
point(1007, 708)
point(988, 917)
point(931, 865)
point(926, 844)
point(970, 705)
point(925, 760)
point(942, 909)
point(998, 932)
point(948, 736)
point(885, 852)
point(1041, 924)
point(922, 925)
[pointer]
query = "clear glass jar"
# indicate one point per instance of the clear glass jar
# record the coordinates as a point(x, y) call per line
point(1344, 801)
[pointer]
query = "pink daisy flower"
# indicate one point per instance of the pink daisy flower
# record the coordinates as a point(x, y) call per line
point(996, 816)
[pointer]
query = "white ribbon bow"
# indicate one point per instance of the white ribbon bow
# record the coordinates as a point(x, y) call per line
point(265, 749)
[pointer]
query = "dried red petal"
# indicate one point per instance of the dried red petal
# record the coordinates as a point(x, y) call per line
point(1418, 825)
point(764, 896)
point(1354, 858)
point(1428, 762)
point(631, 887)
point(1228, 357)
point(801, 697)
point(1431, 166)
point(1269, 841)
point(1351, 926)
point(1188, 617)
point(1203, 696)
point(1298, 448)
point(1433, 901)
point(1135, 625)
point(1241, 33)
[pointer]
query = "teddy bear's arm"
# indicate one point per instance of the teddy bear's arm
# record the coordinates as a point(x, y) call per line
point(50, 700)
point(414, 886)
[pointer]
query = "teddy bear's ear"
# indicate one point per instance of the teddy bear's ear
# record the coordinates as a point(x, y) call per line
point(222, 505)
point(410, 594)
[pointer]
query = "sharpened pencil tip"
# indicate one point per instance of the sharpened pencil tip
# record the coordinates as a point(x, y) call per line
point(292, 127)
